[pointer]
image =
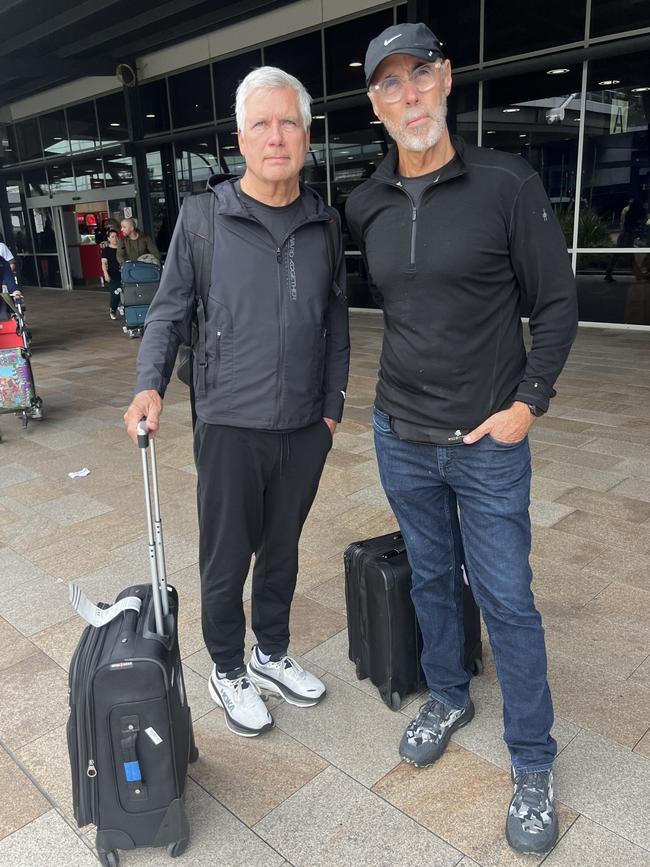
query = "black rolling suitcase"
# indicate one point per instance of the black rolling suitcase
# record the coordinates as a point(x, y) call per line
point(130, 730)
point(385, 642)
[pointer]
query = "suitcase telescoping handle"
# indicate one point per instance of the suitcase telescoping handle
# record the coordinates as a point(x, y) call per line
point(154, 527)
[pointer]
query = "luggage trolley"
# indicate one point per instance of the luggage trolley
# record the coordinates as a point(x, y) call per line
point(17, 389)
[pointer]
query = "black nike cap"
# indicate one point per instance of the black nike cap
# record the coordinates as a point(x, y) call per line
point(414, 39)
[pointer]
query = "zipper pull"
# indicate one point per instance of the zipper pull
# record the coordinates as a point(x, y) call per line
point(278, 254)
point(91, 770)
point(414, 216)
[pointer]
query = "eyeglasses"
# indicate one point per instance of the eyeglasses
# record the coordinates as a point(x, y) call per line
point(391, 88)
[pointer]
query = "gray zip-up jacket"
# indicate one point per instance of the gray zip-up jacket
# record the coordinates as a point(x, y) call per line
point(276, 323)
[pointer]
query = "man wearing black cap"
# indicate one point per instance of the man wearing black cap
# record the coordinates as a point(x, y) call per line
point(454, 237)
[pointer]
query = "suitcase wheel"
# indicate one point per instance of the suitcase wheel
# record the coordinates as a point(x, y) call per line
point(361, 675)
point(109, 858)
point(176, 849)
point(396, 701)
point(194, 754)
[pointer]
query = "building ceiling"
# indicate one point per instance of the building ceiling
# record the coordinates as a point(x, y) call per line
point(45, 44)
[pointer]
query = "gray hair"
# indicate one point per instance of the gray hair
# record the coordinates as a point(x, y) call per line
point(270, 77)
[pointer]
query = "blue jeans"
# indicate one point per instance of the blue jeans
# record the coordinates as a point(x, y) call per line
point(491, 482)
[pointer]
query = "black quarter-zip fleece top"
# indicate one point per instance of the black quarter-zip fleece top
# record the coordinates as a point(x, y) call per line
point(451, 275)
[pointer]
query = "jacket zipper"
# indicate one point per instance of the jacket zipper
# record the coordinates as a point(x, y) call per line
point(278, 256)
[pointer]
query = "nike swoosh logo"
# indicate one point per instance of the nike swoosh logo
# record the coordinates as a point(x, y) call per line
point(392, 39)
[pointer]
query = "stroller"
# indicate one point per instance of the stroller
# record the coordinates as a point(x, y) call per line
point(17, 390)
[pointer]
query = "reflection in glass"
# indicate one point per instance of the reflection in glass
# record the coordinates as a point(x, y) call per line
point(616, 159)
point(118, 170)
point(42, 230)
point(82, 126)
point(49, 271)
point(54, 134)
point(27, 273)
point(159, 170)
point(111, 114)
point(8, 149)
point(462, 112)
point(29, 140)
point(196, 162)
point(457, 26)
point(345, 49)
point(226, 75)
point(190, 95)
point(512, 27)
point(19, 240)
point(231, 159)
point(36, 183)
point(302, 57)
point(89, 173)
point(614, 287)
point(61, 178)
point(537, 116)
point(315, 170)
point(155, 111)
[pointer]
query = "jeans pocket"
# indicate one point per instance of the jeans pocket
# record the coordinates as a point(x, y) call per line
point(503, 445)
point(380, 421)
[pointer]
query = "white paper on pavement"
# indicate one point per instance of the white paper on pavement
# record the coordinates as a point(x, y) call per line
point(79, 473)
point(100, 616)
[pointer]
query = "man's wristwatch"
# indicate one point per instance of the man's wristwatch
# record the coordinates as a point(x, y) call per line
point(535, 410)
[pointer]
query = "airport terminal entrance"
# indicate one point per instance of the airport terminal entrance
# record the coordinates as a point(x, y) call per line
point(68, 231)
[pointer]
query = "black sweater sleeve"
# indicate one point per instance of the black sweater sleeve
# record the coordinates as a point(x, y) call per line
point(539, 257)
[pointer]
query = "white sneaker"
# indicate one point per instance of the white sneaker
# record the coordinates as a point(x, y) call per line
point(286, 678)
point(112, 314)
point(244, 710)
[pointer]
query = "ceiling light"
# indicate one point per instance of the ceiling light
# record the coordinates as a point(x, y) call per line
point(115, 124)
point(640, 89)
point(150, 115)
point(490, 131)
point(99, 159)
point(57, 138)
point(377, 141)
point(350, 158)
point(375, 121)
point(318, 117)
point(578, 119)
point(609, 81)
point(344, 152)
point(559, 71)
point(522, 135)
point(228, 148)
point(356, 63)
point(510, 110)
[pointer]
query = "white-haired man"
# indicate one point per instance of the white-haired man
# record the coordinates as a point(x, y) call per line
point(270, 371)
point(454, 236)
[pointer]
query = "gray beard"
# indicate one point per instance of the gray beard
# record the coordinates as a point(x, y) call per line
point(419, 139)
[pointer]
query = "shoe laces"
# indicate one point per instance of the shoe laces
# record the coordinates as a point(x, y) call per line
point(532, 790)
point(244, 690)
point(288, 666)
point(432, 715)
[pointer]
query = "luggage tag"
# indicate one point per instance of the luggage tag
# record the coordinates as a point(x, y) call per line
point(100, 616)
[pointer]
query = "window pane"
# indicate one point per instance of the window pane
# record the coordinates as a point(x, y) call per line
point(346, 44)
point(89, 173)
point(537, 116)
point(231, 159)
point(43, 230)
point(82, 126)
point(27, 271)
point(196, 162)
point(457, 27)
point(190, 95)
point(614, 287)
point(227, 74)
point(301, 57)
point(608, 17)
point(512, 27)
point(36, 183)
point(616, 164)
point(159, 171)
point(8, 150)
point(111, 112)
point(402, 13)
point(155, 111)
point(49, 271)
point(462, 112)
point(315, 171)
point(61, 178)
point(20, 240)
point(29, 140)
point(54, 134)
point(118, 170)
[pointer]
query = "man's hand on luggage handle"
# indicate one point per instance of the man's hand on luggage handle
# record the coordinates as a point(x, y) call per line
point(508, 426)
point(147, 404)
point(331, 424)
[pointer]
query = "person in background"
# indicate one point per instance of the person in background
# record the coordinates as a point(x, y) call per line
point(8, 278)
point(111, 271)
point(134, 243)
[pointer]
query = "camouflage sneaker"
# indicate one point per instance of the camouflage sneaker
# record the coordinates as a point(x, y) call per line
point(532, 826)
point(426, 736)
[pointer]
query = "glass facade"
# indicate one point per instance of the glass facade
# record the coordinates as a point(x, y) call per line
point(512, 91)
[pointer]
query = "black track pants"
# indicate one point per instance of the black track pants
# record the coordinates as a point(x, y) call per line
point(255, 489)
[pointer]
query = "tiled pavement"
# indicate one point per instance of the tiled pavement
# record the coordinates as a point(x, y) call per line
point(326, 787)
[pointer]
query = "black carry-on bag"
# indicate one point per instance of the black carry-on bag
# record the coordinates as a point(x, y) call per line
point(130, 733)
point(385, 642)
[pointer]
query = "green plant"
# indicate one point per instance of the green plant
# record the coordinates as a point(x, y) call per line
point(591, 230)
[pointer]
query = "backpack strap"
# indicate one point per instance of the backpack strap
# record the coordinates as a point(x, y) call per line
point(199, 228)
